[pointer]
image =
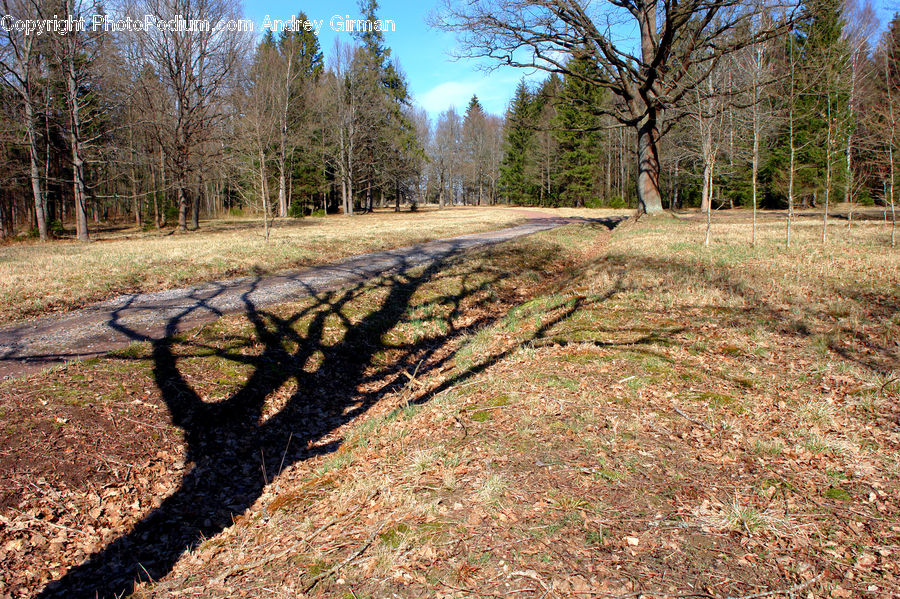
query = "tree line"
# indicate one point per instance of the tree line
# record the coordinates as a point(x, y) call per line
point(804, 117)
point(719, 104)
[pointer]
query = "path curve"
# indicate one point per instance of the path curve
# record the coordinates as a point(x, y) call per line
point(113, 324)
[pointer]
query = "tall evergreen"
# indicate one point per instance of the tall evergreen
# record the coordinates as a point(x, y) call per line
point(823, 102)
point(474, 145)
point(513, 183)
point(302, 48)
point(542, 160)
point(579, 134)
point(394, 146)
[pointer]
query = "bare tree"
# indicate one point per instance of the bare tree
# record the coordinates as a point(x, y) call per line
point(675, 39)
point(756, 65)
point(710, 120)
point(194, 65)
point(352, 90)
point(446, 153)
point(19, 63)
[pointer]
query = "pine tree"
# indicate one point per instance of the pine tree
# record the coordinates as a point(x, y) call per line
point(579, 137)
point(513, 181)
point(823, 102)
point(393, 147)
point(542, 160)
point(474, 146)
point(303, 62)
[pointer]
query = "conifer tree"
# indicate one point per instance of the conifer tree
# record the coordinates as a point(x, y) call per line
point(514, 184)
point(579, 134)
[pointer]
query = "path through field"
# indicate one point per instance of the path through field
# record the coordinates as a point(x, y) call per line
point(113, 324)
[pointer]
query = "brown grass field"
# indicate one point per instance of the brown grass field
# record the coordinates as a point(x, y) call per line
point(576, 414)
point(38, 278)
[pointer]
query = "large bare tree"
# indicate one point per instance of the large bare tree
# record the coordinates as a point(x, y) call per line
point(650, 54)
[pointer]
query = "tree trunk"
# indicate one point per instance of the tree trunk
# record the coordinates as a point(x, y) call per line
point(893, 214)
point(827, 170)
point(162, 219)
point(791, 183)
point(40, 205)
point(264, 193)
point(195, 218)
point(649, 198)
point(282, 188)
point(706, 190)
point(755, 167)
point(183, 204)
point(81, 224)
point(708, 186)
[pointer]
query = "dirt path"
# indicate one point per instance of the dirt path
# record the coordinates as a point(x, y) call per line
point(115, 323)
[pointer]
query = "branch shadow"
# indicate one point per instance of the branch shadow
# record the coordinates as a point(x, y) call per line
point(785, 315)
point(234, 447)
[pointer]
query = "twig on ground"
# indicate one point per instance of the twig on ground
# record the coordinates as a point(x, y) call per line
point(686, 417)
point(349, 559)
point(51, 524)
point(531, 575)
point(794, 589)
point(284, 455)
point(412, 381)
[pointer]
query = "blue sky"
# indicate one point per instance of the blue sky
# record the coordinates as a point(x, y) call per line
point(435, 80)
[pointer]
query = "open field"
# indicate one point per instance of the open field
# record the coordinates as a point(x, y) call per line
point(576, 414)
point(37, 278)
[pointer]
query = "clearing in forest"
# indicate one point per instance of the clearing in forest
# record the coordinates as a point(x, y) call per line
point(578, 413)
point(36, 278)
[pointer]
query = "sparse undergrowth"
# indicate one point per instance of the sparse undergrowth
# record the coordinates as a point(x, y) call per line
point(575, 414)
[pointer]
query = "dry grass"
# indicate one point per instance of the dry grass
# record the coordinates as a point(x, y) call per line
point(662, 418)
point(597, 416)
point(37, 278)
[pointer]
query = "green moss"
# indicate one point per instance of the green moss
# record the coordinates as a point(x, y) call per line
point(481, 416)
point(837, 493)
point(393, 537)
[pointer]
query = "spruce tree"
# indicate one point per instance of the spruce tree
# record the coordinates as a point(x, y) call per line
point(823, 102)
point(513, 182)
point(578, 133)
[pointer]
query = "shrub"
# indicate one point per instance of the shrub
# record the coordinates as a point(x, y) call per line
point(56, 228)
point(171, 212)
point(296, 210)
point(616, 202)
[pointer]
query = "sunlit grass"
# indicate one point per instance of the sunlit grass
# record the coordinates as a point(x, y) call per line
point(36, 278)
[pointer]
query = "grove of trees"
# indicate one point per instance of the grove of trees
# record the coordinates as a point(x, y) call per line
point(714, 104)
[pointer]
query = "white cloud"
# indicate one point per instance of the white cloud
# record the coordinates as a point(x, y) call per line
point(447, 94)
point(493, 89)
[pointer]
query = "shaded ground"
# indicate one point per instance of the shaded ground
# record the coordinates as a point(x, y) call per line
point(87, 455)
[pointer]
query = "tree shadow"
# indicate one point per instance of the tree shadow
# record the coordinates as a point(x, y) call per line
point(235, 448)
point(784, 315)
